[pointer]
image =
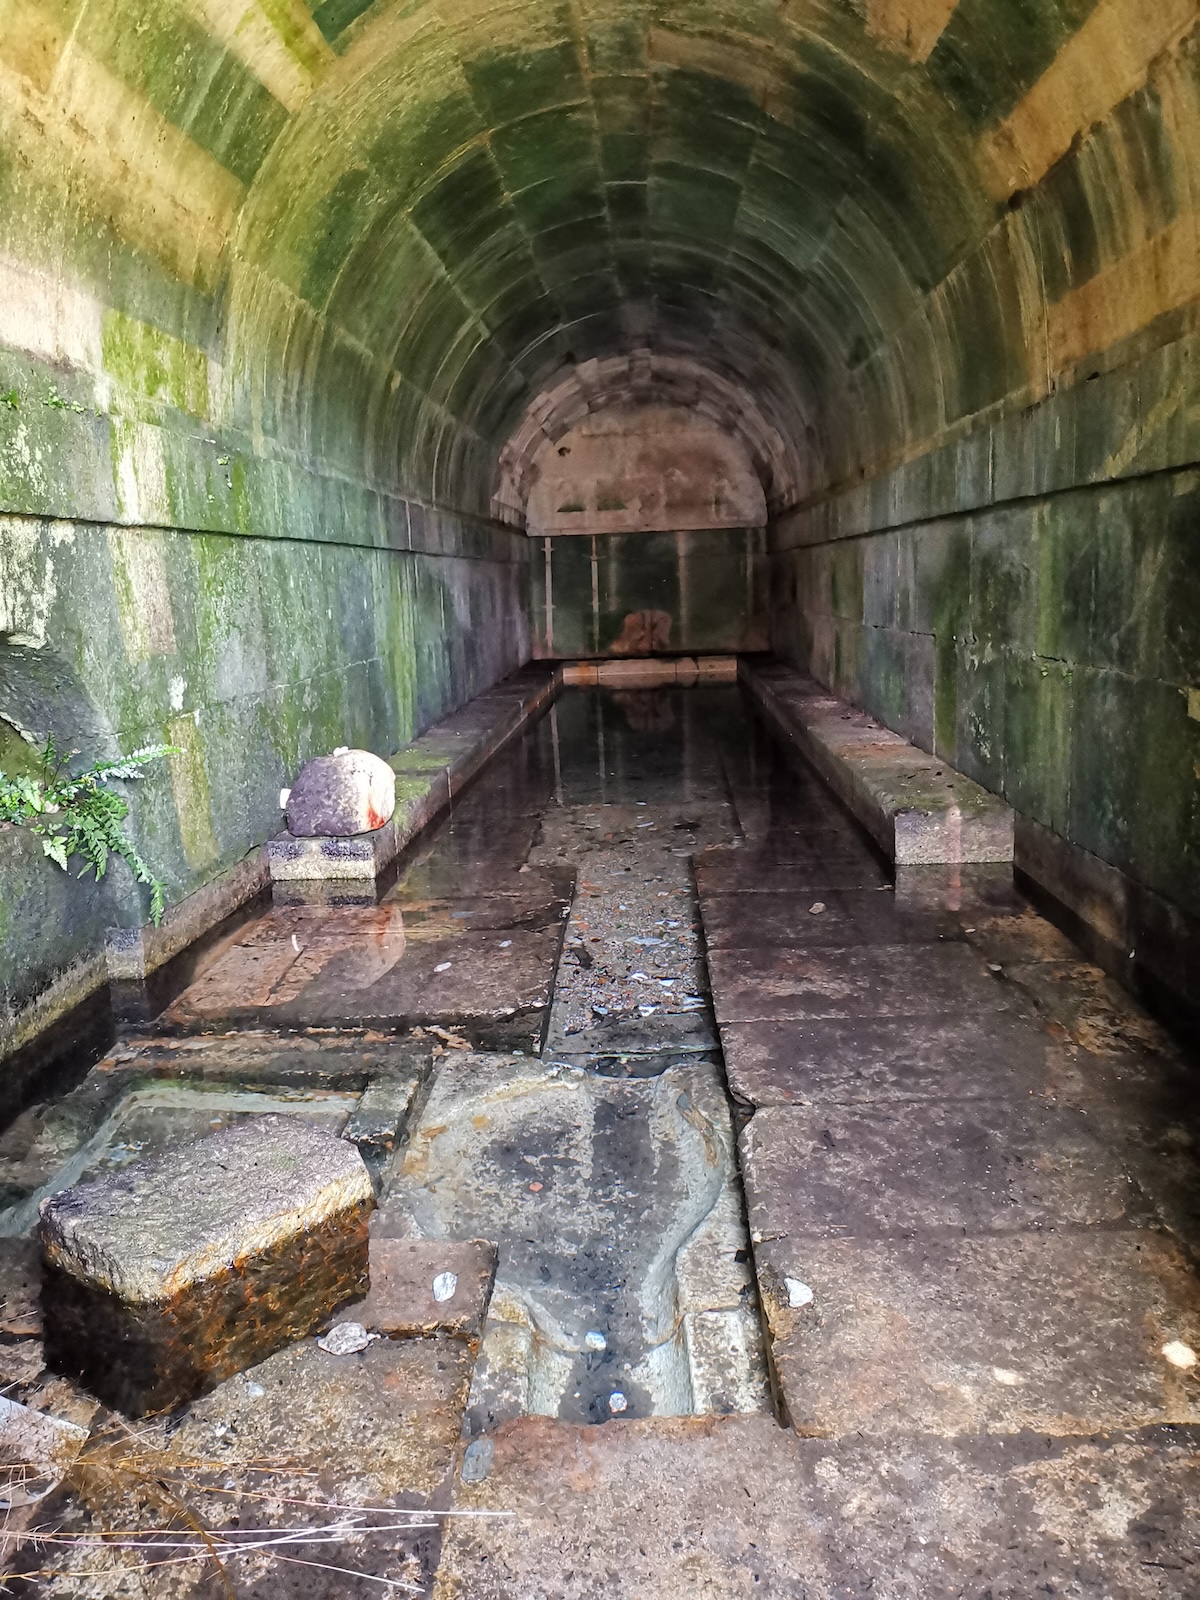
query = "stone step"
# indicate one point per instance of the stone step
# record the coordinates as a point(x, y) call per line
point(166, 1277)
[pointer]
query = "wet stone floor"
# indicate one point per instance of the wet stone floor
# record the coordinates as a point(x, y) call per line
point(858, 1208)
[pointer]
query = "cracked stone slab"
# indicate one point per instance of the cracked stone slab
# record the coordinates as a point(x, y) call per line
point(948, 1056)
point(165, 1277)
point(782, 985)
point(970, 1166)
point(1054, 1332)
point(739, 1507)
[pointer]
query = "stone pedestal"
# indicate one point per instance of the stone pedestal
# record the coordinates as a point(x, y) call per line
point(165, 1278)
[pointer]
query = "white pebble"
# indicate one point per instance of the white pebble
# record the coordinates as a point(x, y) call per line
point(444, 1286)
point(799, 1294)
point(617, 1401)
point(816, 908)
point(595, 1341)
point(1180, 1355)
point(442, 966)
point(347, 1339)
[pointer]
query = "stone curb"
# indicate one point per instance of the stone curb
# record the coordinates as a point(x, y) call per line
point(917, 808)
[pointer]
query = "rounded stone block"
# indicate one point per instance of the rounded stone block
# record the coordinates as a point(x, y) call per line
point(165, 1278)
point(349, 792)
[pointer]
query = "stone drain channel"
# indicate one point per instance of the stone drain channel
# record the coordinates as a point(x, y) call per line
point(606, 1168)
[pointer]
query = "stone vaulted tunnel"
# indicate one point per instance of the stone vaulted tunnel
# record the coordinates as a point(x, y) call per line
point(363, 362)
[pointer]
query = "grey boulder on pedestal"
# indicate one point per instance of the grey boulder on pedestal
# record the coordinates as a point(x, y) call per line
point(337, 796)
point(171, 1275)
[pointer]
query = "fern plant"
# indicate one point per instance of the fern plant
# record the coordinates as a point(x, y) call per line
point(77, 814)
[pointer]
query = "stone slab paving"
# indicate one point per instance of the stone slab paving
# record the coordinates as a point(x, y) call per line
point(1059, 1332)
point(840, 918)
point(713, 1509)
point(966, 1152)
point(970, 1166)
point(471, 947)
point(420, 1287)
point(756, 872)
point(880, 1059)
point(785, 984)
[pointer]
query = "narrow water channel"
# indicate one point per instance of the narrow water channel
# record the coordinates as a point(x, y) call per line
point(605, 1166)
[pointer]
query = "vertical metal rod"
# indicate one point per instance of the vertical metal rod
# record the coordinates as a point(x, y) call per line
point(549, 598)
point(558, 788)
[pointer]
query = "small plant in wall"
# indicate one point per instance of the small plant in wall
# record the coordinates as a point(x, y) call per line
point(78, 814)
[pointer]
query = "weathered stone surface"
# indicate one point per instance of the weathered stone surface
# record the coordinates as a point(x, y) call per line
point(755, 871)
point(336, 796)
point(411, 1295)
point(916, 806)
point(177, 1271)
point(782, 985)
point(614, 1209)
point(375, 1425)
point(971, 1166)
point(945, 1055)
point(496, 984)
point(322, 859)
point(838, 917)
point(1057, 1332)
point(737, 1507)
point(360, 1446)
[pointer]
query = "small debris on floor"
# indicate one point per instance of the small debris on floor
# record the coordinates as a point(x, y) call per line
point(346, 1339)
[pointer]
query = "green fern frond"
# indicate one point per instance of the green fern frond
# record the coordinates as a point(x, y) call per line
point(77, 815)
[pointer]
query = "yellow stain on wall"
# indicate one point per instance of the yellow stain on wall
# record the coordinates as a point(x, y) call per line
point(277, 40)
point(913, 27)
point(193, 796)
point(1106, 61)
point(32, 40)
point(143, 593)
point(1160, 276)
point(162, 193)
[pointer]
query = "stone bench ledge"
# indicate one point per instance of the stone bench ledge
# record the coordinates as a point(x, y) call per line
point(920, 810)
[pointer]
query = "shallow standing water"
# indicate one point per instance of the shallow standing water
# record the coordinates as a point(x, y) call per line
point(605, 1167)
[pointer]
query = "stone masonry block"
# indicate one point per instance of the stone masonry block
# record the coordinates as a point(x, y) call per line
point(421, 1287)
point(165, 1278)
